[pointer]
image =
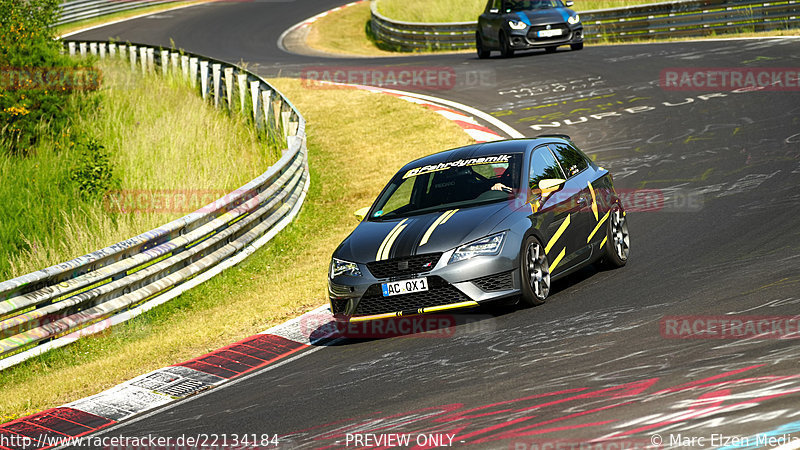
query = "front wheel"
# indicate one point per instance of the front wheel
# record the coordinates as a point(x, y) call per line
point(578, 46)
point(535, 271)
point(618, 242)
point(482, 52)
point(505, 48)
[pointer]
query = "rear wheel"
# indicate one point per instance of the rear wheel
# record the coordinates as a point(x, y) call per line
point(578, 46)
point(535, 271)
point(482, 52)
point(505, 48)
point(618, 241)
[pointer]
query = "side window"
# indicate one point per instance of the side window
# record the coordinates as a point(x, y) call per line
point(543, 166)
point(572, 161)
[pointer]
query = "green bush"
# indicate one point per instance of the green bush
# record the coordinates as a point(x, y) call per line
point(36, 79)
point(93, 172)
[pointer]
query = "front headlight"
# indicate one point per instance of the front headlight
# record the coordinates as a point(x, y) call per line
point(574, 19)
point(342, 267)
point(488, 246)
point(516, 25)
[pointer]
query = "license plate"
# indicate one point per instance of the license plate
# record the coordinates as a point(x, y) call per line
point(550, 33)
point(404, 287)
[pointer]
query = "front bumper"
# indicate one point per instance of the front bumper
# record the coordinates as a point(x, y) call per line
point(527, 38)
point(460, 285)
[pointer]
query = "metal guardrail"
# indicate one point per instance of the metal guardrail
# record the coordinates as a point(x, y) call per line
point(687, 18)
point(76, 10)
point(56, 305)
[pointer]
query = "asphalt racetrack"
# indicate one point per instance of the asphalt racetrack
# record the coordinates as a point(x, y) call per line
point(607, 356)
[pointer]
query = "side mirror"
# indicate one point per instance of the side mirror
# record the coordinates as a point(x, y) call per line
point(569, 3)
point(494, 11)
point(550, 185)
point(361, 213)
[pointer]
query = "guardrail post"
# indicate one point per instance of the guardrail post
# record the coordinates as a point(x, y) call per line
point(93, 48)
point(277, 107)
point(143, 59)
point(103, 50)
point(164, 62)
point(229, 87)
point(215, 70)
point(112, 50)
point(285, 115)
point(266, 100)
point(193, 71)
point(82, 47)
point(254, 96)
point(71, 46)
point(174, 57)
point(242, 79)
point(203, 79)
point(151, 60)
point(132, 53)
point(185, 66)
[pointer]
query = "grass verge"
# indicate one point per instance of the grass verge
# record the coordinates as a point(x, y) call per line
point(347, 32)
point(158, 135)
point(86, 23)
point(350, 162)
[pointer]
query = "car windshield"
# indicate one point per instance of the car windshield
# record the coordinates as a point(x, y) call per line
point(453, 184)
point(526, 5)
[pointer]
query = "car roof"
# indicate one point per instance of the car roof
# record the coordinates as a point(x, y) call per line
point(485, 149)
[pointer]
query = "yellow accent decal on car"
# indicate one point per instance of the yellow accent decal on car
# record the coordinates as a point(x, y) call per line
point(558, 259)
point(597, 227)
point(594, 200)
point(386, 245)
point(375, 317)
point(439, 221)
point(558, 234)
point(431, 309)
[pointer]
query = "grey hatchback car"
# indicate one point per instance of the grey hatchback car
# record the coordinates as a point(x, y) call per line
point(477, 224)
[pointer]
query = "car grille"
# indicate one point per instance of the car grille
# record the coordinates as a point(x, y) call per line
point(497, 282)
point(439, 293)
point(533, 37)
point(403, 266)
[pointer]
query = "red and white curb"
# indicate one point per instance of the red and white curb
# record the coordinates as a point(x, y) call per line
point(455, 112)
point(63, 426)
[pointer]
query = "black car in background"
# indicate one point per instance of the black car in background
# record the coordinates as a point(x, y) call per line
point(509, 25)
